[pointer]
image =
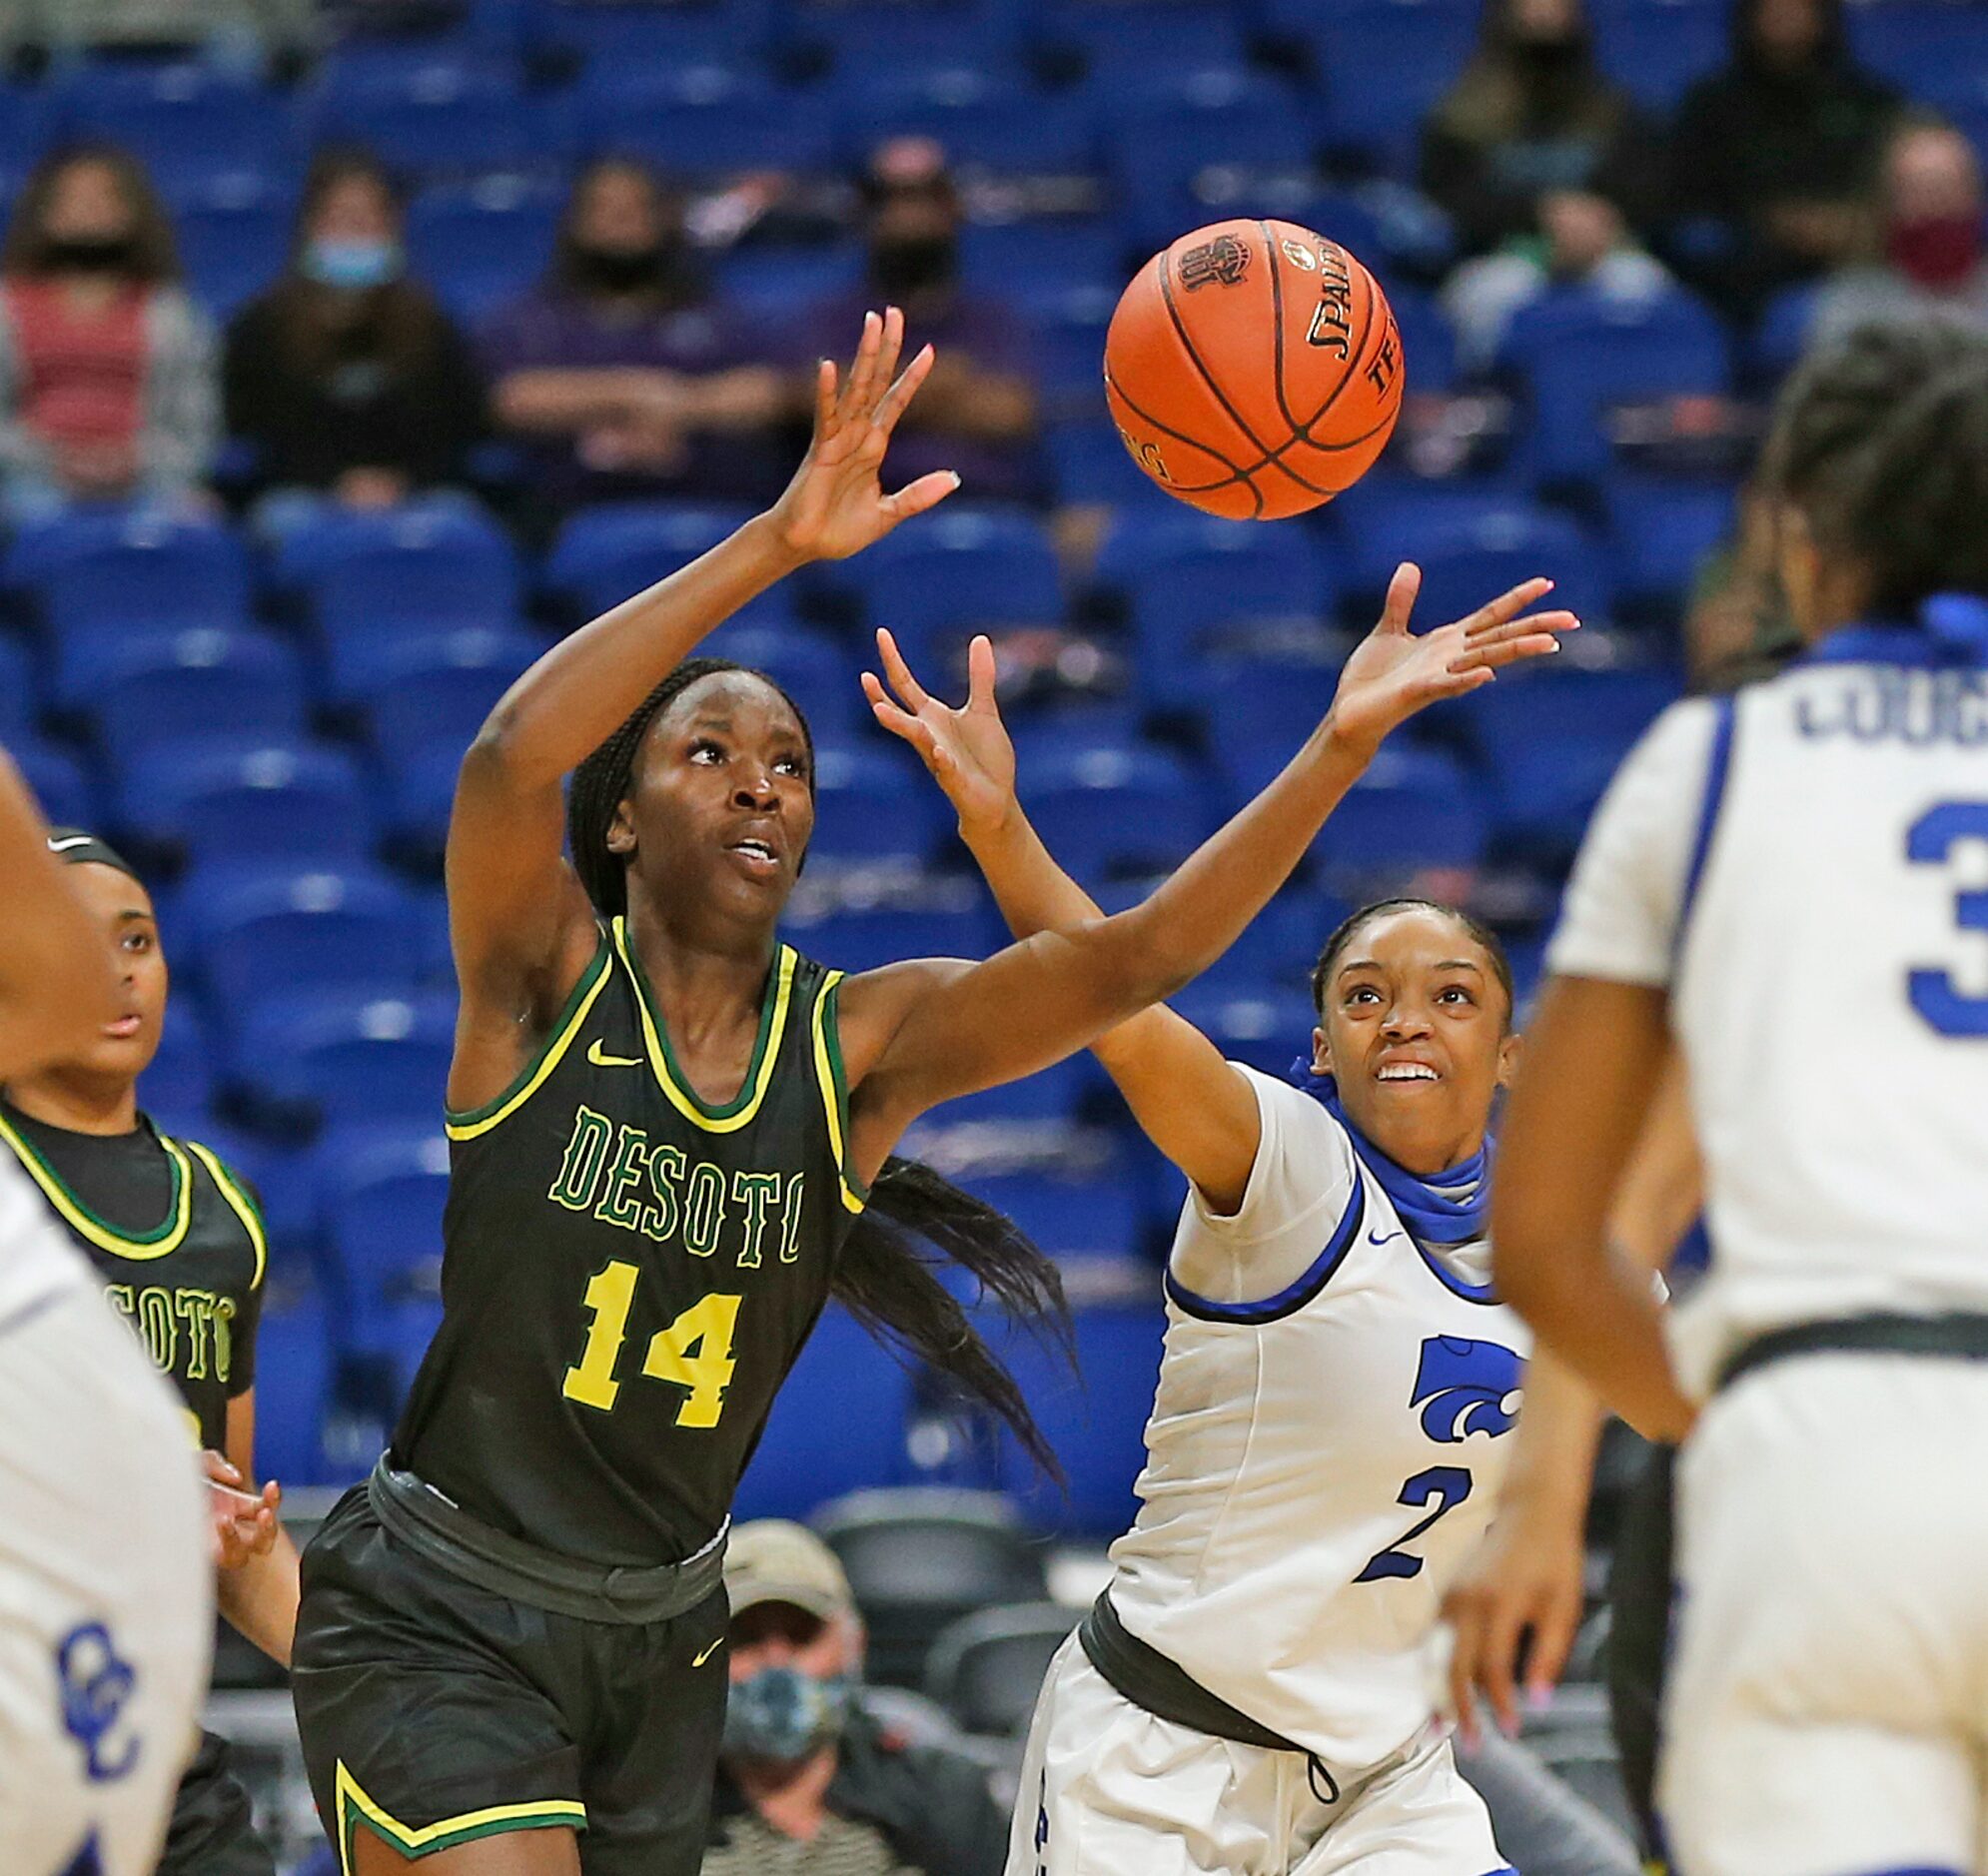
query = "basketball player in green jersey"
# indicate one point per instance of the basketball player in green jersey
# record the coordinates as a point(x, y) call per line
point(178, 1241)
point(670, 1144)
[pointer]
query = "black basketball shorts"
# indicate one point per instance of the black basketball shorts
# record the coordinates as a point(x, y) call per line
point(433, 1711)
point(212, 1832)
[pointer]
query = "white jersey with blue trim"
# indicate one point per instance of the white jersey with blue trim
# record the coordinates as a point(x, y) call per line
point(36, 1261)
point(1802, 868)
point(1320, 1459)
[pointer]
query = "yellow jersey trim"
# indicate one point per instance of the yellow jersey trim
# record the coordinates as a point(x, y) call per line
point(469, 1122)
point(239, 1203)
point(355, 1807)
point(94, 1230)
point(834, 1096)
point(740, 1110)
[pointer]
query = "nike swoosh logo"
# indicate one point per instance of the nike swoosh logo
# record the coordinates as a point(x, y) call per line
point(1384, 1237)
point(598, 1060)
point(708, 1653)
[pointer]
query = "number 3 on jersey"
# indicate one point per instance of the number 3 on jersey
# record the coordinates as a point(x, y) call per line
point(1930, 842)
point(694, 1352)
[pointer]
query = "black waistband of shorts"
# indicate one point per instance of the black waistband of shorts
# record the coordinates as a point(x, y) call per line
point(441, 1530)
point(1163, 1688)
point(1954, 1335)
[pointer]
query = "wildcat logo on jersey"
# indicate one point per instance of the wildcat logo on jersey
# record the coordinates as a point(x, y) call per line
point(96, 1683)
point(1466, 1386)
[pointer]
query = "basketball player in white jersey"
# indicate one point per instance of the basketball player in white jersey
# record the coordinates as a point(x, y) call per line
point(1790, 881)
point(1251, 1696)
point(106, 1583)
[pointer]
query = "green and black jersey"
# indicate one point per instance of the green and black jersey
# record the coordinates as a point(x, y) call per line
point(628, 1274)
point(177, 1240)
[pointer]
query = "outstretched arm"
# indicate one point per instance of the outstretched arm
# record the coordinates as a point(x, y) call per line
point(520, 926)
point(919, 1034)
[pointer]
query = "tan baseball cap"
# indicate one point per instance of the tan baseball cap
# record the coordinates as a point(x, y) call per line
point(774, 1560)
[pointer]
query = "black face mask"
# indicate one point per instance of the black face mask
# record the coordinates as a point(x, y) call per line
point(903, 268)
point(90, 254)
point(621, 270)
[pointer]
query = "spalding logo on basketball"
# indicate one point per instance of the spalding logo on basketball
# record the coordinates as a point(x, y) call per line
point(1254, 370)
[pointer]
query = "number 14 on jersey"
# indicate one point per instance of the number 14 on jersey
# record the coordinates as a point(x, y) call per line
point(693, 1352)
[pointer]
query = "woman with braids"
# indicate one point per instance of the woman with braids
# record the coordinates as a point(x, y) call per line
point(671, 1144)
point(1252, 1691)
point(1785, 881)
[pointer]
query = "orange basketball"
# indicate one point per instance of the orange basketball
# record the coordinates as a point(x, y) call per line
point(1254, 370)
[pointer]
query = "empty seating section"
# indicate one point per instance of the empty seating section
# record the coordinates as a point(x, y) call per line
point(272, 725)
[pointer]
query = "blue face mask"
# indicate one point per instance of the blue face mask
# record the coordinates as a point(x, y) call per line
point(351, 263)
point(784, 1716)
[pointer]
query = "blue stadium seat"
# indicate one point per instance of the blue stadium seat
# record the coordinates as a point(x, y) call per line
point(1579, 354)
point(1385, 63)
point(232, 245)
point(810, 666)
point(988, 123)
point(838, 1425)
point(434, 688)
point(1428, 344)
point(1026, 259)
point(156, 691)
point(322, 928)
point(1548, 743)
point(27, 127)
point(649, 33)
point(1103, 1216)
point(868, 39)
point(1067, 334)
point(19, 702)
point(602, 554)
point(1257, 716)
point(217, 799)
point(964, 568)
point(189, 123)
point(59, 778)
point(1662, 532)
point(1657, 49)
point(1934, 51)
point(1413, 809)
point(481, 243)
point(1783, 334)
point(447, 120)
point(1053, 1094)
point(344, 1055)
point(1268, 1025)
point(131, 567)
point(1279, 946)
point(1104, 810)
point(423, 565)
point(293, 1383)
point(1121, 43)
point(865, 941)
point(1089, 462)
point(769, 282)
point(869, 804)
point(180, 1079)
point(1095, 1420)
point(421, 790)
point(704, 121)
point(381, 1196)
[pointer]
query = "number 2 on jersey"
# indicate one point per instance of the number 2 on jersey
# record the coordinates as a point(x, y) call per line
point(694, 1352)
point(1448, 1486)
point(1930, 842)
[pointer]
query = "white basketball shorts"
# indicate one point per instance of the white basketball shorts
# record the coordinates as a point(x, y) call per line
point(105, 1592)
point(1829, 1706)
point(1109, 1790)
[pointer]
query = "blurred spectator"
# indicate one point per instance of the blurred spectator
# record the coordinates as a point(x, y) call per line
point(1931, 258)
point(1532, 112)
point(808, 1783)
point(244, 29)
point(1582, 241)
point(349, 380)
point(977, 412)
point(106, 370)
point(624, 369)
point(1737, 626)
point(1779, 151)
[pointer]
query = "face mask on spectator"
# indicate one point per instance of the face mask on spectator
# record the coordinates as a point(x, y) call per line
point(1937, 250)
point(619, 270)
point(90, 254)
point(914, 263)
point(783, 1715)
point(351, 263)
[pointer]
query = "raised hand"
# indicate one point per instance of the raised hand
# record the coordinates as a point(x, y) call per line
point(967, 750)
point(835, 506)
point(243, 1522)
point(1393, 672)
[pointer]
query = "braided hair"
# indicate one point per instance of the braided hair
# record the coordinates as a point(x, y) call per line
point(1354, 923)
point(1881, 440)
point(883, 1277)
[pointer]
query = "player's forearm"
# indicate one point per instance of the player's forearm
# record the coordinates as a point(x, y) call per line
point(582, 690)
point(1551, 1466)
point(556, 402)
point(260, 1598)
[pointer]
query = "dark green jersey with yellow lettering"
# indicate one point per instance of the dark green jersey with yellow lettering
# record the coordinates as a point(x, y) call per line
point(628, 1273)
point(177, 1240)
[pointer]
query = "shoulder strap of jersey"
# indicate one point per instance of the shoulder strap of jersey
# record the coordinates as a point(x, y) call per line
point(240, 1203)
point(834, 1081)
